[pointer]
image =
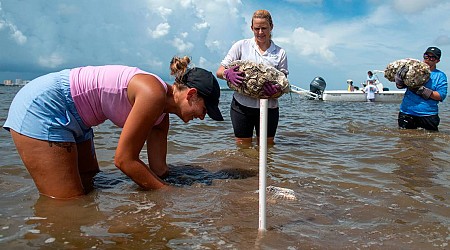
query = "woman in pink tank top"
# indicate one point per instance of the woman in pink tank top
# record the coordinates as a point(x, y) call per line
point(50, 121)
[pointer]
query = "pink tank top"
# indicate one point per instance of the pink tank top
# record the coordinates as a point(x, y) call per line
point(100, 93)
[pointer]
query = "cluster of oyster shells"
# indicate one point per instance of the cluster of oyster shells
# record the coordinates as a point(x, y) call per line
point(281, 193)
point(256, 75)
point(416, 75)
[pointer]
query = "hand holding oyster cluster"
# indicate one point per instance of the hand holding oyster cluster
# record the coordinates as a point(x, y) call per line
point(412, 72)
point(260, 81)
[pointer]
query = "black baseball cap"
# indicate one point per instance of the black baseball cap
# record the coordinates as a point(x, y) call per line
point(207, 87)
point(435, 51)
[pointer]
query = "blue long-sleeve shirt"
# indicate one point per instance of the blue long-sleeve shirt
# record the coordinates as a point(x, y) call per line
point(416, 105)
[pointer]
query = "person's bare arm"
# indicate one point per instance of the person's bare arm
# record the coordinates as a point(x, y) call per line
point(157, 148)
point(148, 99)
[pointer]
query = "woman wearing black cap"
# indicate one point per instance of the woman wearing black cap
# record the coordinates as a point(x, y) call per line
point(419, 108)
point(50, 121)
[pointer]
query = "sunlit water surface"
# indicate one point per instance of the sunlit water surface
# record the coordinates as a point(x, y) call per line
point(359, 183)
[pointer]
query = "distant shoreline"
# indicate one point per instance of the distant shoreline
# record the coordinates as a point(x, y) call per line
point(12, 85)
point(20, 85)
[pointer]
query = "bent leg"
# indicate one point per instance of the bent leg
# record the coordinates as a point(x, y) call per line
point(87, 164)
point(52, 165)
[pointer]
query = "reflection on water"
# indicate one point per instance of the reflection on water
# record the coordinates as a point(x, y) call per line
point(415, 162)
point(64, 223)
point(359, 182)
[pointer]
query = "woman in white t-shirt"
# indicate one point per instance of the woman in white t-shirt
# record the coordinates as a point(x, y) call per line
point(244, 110)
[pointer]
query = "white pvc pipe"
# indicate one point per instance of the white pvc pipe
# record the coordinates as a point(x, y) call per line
point(263, 103)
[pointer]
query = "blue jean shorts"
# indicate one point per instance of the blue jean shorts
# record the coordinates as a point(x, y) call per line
point(44, 109)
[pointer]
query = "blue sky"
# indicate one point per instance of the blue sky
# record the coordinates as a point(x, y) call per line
point(337, 40)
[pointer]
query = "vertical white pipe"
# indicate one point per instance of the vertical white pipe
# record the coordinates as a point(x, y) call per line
point(263, 103)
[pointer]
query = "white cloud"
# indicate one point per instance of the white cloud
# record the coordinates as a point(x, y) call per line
point(205, 63)
point(215, 46)
point(182, 46)
point(186, 3)
point(73, 33)
point(414, 6)
point(51, 61)
point(164, 12)
point(161, 30)
point(155, 65)
point(200, 26)
point(309, 44)
point(316, 2)
point(202, 62)
point(223, 22)
point(14, 32)
point(184, 34)
point(18, 36)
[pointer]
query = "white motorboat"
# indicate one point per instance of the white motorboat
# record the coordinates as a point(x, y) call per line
point(317, 92)
point(359, 96)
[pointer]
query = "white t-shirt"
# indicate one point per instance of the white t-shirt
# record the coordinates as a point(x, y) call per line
point(247, 49)
point(370, 90)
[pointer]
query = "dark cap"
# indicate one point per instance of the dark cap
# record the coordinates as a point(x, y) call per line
point(435, 51)
point(208, 88)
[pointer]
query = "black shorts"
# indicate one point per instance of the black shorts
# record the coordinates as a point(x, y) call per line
point(246, 119)
point(430, 122)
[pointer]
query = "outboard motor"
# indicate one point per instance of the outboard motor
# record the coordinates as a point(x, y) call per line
point(317, 86)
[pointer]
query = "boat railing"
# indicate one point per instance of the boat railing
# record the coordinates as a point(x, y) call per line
point(304, 92)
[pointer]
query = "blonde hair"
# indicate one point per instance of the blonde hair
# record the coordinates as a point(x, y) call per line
point(178, 66)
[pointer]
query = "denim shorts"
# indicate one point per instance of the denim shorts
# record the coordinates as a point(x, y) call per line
point(44, 109)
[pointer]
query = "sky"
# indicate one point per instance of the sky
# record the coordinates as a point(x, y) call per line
point(334, 39)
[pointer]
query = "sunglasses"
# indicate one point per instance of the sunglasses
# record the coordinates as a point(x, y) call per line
point(429, 58)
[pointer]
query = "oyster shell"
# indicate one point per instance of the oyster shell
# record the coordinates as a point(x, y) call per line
point(418, 72)
point(281, 193)
point(256, 75)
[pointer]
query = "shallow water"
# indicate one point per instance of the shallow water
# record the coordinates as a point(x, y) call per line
point(360, 183)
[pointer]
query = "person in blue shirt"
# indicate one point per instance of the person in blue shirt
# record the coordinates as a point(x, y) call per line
point(419, 108)
point(370, 78)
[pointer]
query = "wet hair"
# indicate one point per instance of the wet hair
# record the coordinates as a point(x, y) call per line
point(369, 72)
point(178, 66)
